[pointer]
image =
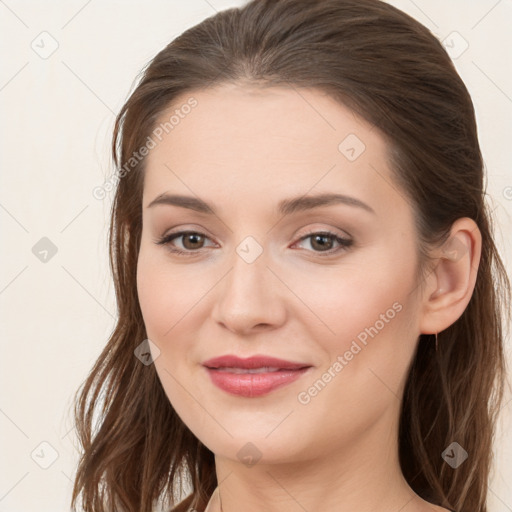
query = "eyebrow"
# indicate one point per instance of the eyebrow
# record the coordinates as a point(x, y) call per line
point(285, 207)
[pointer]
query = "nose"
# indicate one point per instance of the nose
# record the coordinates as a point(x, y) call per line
point(250, 298)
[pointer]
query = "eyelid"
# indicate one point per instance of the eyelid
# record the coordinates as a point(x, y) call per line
point(182, 230)
point(310, 231)
point(344, 241)
point(173, 235)
point(332, 230)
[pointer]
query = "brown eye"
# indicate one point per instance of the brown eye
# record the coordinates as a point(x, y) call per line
point(191, 241)
point(324, 241)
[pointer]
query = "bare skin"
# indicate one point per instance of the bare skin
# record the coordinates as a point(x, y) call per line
point(243, 150)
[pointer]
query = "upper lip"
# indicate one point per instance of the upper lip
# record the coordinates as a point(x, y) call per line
point(257, 361)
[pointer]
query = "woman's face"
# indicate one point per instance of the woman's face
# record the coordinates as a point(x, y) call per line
point(259, 279)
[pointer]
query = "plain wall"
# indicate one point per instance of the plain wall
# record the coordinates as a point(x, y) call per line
point(57, 117)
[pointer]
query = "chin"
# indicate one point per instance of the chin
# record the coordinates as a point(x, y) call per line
point(251, 447)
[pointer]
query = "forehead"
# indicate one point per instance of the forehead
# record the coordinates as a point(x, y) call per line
point(265, 142)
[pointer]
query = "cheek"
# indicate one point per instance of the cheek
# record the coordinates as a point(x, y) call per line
point(365, 315)
point(164, 305)
point(159, 296)
point(161, 291)
point(171, 299)
point(376, 346)
point(149, 293)
point(340, 302)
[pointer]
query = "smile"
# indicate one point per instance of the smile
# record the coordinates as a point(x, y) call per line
point(253, 382)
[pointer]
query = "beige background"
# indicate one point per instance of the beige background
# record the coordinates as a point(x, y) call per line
point(57, 117)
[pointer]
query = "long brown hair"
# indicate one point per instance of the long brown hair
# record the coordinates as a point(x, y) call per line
point(394, 73)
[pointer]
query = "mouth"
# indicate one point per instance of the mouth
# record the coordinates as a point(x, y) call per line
point(254, 376)
point(264, 369)
point(256, 362)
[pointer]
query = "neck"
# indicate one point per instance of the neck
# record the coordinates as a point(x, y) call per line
point(363, 476)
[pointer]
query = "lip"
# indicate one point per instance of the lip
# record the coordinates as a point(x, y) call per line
point(256, 361)
point(227, 373)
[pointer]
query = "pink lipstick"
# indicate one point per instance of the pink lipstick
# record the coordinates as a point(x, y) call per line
point(253, 376)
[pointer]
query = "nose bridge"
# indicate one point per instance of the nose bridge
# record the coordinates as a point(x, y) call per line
point(249, 268)
point(247, 298)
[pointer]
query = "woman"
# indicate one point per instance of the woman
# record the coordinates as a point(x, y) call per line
point(303, 261)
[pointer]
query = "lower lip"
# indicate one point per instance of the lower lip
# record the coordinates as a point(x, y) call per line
point(253, 384)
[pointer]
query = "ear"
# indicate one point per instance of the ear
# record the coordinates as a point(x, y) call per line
point(450, 285)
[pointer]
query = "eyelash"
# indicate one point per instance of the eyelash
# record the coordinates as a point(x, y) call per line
point(345, 243)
